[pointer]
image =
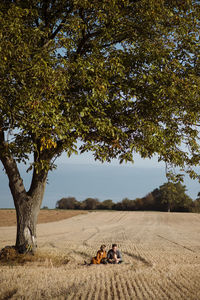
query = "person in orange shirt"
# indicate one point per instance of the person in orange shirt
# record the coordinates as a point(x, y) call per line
point(101, 257)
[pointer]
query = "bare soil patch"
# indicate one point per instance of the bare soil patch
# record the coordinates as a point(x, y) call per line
point(8, 216)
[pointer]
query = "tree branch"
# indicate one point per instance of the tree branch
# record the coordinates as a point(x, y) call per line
point(15, 181)
point(53, 35)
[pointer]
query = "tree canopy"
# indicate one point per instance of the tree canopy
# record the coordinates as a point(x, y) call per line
point(172, 197)
point(119, 76)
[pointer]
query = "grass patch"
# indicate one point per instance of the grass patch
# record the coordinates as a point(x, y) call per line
point(10, 257)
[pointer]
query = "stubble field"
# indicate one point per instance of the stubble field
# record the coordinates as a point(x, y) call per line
point(161, 253)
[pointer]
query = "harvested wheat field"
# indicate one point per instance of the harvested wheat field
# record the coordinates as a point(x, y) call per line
point(161, 253)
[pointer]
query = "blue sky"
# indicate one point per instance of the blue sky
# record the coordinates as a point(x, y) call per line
point(80, 176)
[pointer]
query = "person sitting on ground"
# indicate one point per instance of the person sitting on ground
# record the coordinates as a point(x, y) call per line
point(114, 255)
point(101, 257)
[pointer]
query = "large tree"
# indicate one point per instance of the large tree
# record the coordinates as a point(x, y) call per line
point(171, 197)
point(119, 76)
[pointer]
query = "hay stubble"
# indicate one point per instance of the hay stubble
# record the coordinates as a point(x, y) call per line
point(161, 253)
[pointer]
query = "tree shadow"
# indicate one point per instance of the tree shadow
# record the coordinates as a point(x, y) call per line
point(81, 253)
point(9, 294)
point(139, 258)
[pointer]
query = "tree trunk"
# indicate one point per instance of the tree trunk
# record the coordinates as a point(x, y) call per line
point(169, 207)
point(27, 204)
point(27, 210)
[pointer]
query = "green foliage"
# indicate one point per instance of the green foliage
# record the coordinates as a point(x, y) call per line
point(90, 203)
point(119, 76)
point(172, 197)
point(106, 204)
point(196, 204)
point(67, 203)
point(128, 204)
point(168, 197)
point(72, 203)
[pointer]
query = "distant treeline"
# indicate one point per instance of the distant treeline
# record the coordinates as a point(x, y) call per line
point(168, 197)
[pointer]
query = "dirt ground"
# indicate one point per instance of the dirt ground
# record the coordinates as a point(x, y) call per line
point(8, 216)
point(161, 253)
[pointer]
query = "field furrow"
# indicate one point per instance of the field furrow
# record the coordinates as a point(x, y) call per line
point(161, 258)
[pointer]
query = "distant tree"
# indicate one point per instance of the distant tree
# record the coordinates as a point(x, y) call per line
point(117, 206)
point(184, 202)
point(169, 195)
point(138, 204)
point(90, 203)
point(148, 202)
point(128, 204)
point(158, 204)
point(45, 207)
point(106, 204)
point(172, 197)
point(67, 203)
point(196, 204)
